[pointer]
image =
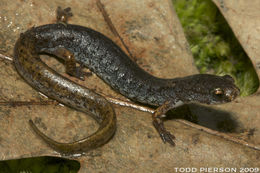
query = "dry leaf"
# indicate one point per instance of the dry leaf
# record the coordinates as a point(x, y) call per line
point(154, 36)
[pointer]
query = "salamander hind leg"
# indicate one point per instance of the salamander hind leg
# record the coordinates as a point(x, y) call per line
point(159, 113)
point(70, 63)
point(63, 15)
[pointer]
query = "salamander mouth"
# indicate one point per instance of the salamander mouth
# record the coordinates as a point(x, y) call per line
point(231, 94)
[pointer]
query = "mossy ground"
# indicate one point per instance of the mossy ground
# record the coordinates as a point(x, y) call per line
point(213, 44)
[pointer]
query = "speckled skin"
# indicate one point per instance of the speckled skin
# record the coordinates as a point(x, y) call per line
point(110, 63)
point(49, 82)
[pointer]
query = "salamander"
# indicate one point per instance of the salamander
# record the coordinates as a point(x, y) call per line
point(44, 79)
point(91, 49)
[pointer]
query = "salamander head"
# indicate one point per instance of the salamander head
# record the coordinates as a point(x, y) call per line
point(209, 89)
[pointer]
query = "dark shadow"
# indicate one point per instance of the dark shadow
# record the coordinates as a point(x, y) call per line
point(40, 164)
point(208, 117)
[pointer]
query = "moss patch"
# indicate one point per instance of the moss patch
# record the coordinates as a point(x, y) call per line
point(213, 44)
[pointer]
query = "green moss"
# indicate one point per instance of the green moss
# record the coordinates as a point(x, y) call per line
point(213, 44)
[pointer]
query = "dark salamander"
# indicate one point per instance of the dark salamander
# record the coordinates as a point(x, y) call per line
point(78, 44)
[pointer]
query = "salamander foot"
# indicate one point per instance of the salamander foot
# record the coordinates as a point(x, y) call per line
point(63, 15)
point(165, 135)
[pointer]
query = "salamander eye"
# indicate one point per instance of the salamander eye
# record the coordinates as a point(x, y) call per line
point(218, 91)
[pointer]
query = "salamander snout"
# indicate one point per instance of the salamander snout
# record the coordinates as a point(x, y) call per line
point(231, 93)
point(207, 88)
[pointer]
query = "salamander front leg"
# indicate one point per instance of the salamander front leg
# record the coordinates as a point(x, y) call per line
point(62, 15)
point(159, 113)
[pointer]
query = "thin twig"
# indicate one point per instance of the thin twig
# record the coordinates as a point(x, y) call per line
point(27, 103)
point(5, 57)
point(111, 26)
